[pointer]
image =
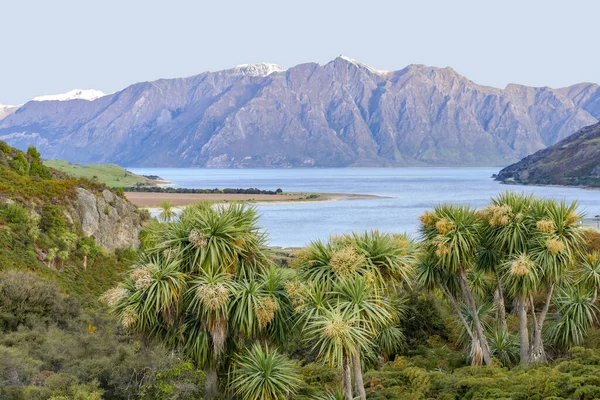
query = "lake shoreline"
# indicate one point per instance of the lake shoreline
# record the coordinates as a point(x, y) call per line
point(151, 201)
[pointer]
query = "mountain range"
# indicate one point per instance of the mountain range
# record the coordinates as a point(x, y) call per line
point(340, 114)
point(572, 161)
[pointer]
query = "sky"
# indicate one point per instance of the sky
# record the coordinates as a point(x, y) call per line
point(50, 47)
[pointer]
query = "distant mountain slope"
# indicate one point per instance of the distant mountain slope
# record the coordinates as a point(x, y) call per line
point(343, 113)
point(5, 111)
point(572, 161)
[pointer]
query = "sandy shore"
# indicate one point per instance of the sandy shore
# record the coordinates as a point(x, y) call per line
point(152, 201)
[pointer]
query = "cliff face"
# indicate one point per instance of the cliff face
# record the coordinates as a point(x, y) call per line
point(59, 210)
point(572, 161)
point(112, 221)
point(340, 114)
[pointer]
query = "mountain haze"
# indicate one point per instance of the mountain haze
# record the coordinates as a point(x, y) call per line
point(343, 113)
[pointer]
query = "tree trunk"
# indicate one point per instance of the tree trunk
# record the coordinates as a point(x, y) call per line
point(523, 332)
point(347, 379)
point(457, 310)
point(501, 306)
point(212, 383)
point(358, 377)
point(538, 354)
point(485, 349)
point(85, 262)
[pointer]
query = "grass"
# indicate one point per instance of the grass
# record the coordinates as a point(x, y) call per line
point(111, 175)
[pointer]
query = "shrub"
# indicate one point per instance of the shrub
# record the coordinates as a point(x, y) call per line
point(13, 213)
point(20, 164)
point(26, 299)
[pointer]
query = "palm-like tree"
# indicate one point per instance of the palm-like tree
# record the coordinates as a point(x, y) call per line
point(521, 277)
point(85, 250)
point(506, 233)
point(375, 314)
point(205, 284)
point(589, 273)
point(504, 347)
point(338, 337)
point(575, 315)
point(359, 275)
point(51, 256)
point(452, 238)
point(264, 374)
point(167, 213)
point(556, 245)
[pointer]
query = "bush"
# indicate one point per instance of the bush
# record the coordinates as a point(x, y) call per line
point(13, 213)
point(26, 299)
point(20, 164)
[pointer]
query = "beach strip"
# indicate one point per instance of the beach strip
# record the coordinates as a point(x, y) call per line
point(153, 200)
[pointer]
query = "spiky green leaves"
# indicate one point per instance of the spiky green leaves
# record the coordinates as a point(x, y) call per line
point(336, 335)
point(264, 374)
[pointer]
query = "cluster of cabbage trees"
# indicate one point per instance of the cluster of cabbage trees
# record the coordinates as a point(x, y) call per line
point(521, 255)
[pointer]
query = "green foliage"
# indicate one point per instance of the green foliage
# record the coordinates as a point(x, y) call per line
point(264, 374)
point(50, 346)
point(204, 293)
point(575, 378)
point(183, 382)
point(26, 299)
point(13, 213)
point(20, 164)
point(33, 153)
point(4, 148)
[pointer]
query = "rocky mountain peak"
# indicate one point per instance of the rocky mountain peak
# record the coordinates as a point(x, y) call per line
point(75, 94)
point(260, 69)
point(343, 113)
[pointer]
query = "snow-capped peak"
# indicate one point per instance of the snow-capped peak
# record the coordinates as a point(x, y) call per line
point(76, 94)
point(6, 110)
point(359, 64)
point(261, 69)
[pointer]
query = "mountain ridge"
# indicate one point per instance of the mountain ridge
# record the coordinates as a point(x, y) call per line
point(343, 113)
point(574, 161)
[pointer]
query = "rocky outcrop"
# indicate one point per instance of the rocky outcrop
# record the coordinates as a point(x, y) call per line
point(340, 114)
point(572, 161)
point(112, 221)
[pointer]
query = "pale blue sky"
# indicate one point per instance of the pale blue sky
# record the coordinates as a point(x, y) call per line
point(49, 47)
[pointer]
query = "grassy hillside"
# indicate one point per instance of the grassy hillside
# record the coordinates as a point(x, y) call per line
point(573, 161)
point(56, 339)
point(111, 175)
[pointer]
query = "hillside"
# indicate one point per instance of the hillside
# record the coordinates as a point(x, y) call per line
point(572, 161)
point(46, 215)
point(111, 175)
point(56, 339)
point(340, 114)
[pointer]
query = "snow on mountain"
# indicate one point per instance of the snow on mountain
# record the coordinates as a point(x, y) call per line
point(358, 63)
point(261, 69)
point(75, 94)
point(6, 110)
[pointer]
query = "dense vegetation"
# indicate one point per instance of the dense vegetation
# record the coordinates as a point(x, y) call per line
point(56, 340)
point(512, 286)
point(110, 175)
point(493, 303)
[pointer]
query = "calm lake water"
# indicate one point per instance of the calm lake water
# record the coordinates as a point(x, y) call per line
point(410, 192)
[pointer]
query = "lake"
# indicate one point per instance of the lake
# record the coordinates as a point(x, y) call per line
point(408, 191)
